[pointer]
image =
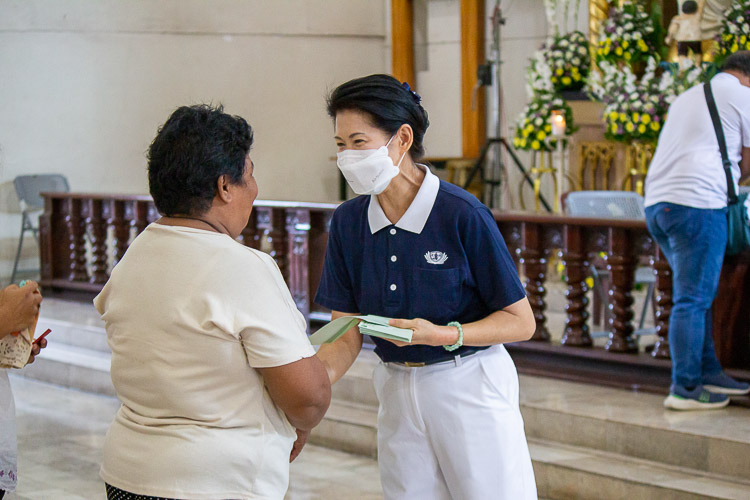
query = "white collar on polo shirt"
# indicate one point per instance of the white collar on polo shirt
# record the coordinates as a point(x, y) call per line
point(416, 215)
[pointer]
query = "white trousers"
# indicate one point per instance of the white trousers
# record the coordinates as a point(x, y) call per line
point(453, 430)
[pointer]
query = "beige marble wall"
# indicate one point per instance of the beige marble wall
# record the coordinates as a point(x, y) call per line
point(439, 81)
point(84, 86)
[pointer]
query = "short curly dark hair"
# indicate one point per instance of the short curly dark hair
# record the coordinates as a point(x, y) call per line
point(196, 146)
point(389, 104)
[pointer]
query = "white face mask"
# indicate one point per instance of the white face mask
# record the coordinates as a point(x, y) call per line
point(368, 171)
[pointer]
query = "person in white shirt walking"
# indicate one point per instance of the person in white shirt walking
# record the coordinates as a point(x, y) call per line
point(686, 212)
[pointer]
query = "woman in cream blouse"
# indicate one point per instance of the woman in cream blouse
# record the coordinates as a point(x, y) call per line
point(209, 353)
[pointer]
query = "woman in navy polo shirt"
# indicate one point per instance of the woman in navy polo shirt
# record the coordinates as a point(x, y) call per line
point(429, 254)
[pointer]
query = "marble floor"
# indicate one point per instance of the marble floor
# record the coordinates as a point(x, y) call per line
point(60, 436)
point(61, 432)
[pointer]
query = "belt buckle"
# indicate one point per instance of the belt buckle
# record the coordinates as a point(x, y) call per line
point(410, 364)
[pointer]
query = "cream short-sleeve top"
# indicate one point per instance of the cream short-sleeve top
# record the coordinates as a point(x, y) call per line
point(189, 316)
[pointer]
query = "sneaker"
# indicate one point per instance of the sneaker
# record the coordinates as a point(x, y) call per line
point(721, 383)
point(698, 399)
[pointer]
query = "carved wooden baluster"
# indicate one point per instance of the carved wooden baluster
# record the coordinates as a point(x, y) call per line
point(279, 241)
point(251, 235)
point(320, 222)
point(298, 229)
point(534, 260)
point(98, 238)
point(621, 262)
point(76, 230)
point(121, 217)
point(263, 227)
point(152, 214)
point(140, 216)
point(576, 332)
point(46, 239)
point(663, 303)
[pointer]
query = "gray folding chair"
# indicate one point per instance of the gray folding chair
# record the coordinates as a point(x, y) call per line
point(615, 205)
point(28, 188)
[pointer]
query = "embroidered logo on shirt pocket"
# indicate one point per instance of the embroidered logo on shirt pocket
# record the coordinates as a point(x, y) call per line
point(436, 257)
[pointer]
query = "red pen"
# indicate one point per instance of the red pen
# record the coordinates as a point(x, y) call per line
point(36, 341)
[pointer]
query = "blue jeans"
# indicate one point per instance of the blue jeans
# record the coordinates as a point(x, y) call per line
point(693, 240)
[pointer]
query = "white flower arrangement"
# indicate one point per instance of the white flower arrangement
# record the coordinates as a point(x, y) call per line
point(735, 30)
point(533, 127)
point(569, 61)
point(635, 110)
point(627, 36)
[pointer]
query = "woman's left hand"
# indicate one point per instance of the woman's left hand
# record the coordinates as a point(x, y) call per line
point(425, 332)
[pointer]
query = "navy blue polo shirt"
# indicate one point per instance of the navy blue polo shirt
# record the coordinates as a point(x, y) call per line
point(443, 261)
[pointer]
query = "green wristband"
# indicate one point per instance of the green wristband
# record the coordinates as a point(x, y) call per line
point(460, 341)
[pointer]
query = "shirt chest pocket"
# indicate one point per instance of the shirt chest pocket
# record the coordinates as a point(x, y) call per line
point(436, 293)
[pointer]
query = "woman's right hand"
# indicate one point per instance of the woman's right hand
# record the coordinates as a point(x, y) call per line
point(19, 307)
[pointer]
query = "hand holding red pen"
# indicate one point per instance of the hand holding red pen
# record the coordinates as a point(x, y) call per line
point(38, 344)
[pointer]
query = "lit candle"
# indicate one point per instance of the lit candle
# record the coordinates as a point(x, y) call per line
point(557, 121)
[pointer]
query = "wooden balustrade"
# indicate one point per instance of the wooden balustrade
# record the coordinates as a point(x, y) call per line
point(532, 238)
point(83, 236)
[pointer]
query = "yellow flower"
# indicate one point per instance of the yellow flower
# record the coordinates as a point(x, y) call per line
point(623, 117)
point(541, 135)
point(606, 51)
point(636, 117)
point(618, 51)
point(613, 128)
point(627, 56)
point(654, 125)
point(554, 79)
point(642, 128)
point(590, 282)
point(566, 80)
point(560, 267)
point(525, 133)
point(559, 71)
point(642, 45)
point(629, 127)
point(548, 128)
point(743, 39)
point(646, 119)
point(734, 47)
point(613, 115)
point(516, 142)
point(747, 46)
point(625, 44)
point(535, 145)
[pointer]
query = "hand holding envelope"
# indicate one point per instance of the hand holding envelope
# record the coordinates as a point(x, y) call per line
point(375, 326)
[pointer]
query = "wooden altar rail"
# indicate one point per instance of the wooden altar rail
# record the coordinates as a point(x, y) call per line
point(82, 237)
point(532, 238)
point(624, 244)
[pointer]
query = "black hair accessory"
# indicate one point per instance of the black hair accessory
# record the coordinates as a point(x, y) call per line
point(417, 98)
